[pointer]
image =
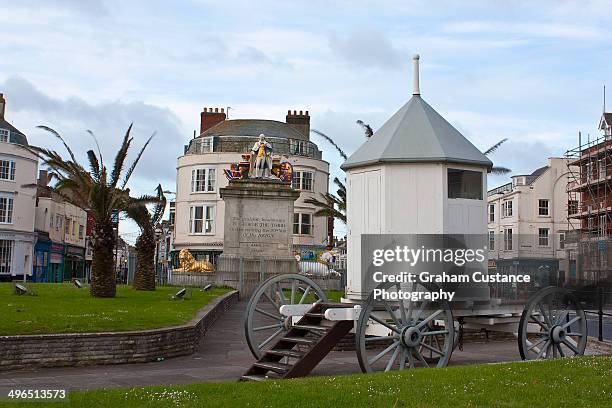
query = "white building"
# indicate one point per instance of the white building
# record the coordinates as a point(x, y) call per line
point(199, 211)
point(416, 175)
point(18, 168)
point(528, 223)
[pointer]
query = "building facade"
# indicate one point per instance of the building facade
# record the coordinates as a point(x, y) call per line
point(590, 192)
point(59, 254)
point(528, 225)
point(198, 213)
point(18, 168)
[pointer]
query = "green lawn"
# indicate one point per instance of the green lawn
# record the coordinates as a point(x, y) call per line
point(576, 382)
point(62, 308)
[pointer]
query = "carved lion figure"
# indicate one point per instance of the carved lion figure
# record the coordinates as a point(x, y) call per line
point(189, 264)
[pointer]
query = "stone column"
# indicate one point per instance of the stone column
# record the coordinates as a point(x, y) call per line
point(258, 233)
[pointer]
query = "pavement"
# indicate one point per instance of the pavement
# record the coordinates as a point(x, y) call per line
point(223, 355)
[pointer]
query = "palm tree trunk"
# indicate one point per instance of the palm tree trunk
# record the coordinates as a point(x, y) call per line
point(144, 275)
point(103, 281)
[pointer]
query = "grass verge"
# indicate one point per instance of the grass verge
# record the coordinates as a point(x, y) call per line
point(62, 308)
point(570, 382)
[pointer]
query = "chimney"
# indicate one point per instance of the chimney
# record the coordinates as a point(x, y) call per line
point(211, 117)
point(300, 121)
point(2, 106)
point(415, 75)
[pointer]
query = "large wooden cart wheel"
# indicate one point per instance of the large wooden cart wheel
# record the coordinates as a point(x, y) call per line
point(395, 335)
point(263, 321)
point(553, 324)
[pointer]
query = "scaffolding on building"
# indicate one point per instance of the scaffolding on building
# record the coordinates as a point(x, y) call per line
point(589, 201)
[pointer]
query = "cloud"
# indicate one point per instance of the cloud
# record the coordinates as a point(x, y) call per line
point(366, 48)
point(28, 107)
point(518, 29)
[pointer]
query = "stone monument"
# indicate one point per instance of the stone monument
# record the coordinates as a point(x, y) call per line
point(258, 224)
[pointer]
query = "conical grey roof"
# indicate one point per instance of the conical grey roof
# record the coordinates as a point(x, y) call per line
point(415, 134)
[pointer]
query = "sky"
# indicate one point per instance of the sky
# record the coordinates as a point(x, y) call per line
point(532, 72)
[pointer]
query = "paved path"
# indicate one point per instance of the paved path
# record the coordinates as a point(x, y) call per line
point(223, 356)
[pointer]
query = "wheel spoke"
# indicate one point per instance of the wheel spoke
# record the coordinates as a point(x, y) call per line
point(560, 350)
point(574, 320)
point(410, 359)
point(397, 323)
point(410, 303)
point(271, 326)
point(281, 295)
point(387, 325)
point(402, 363)
point(433, 349)
point(546, 319)
point(276, 305)
point(270, 315)
point(379, 338)
point(269, 339)
point(382, 353)
point(429, 318)
point(543, 349)
point(561, 316)
point(421, 359)
point(306, 292)
point(538, 321)
point(536, 344)
point(293, 291)
point(431, 333)
point(393, 358)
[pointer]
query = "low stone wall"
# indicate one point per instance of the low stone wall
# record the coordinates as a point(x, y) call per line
point(78, 349)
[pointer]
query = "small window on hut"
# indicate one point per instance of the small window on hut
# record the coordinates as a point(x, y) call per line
point(464, 184)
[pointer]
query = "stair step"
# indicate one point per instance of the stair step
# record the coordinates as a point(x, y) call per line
point(253, 378)
point(286, 353)
point(310, 327)
point(272, 366)
point(321, 315)
point(299, 340)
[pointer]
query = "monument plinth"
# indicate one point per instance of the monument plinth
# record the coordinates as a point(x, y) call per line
point(258, 232)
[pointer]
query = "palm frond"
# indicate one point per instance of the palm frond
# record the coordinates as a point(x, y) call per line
point(493, 148)
point(367, 129)
point(120, 157)
point(97, 146)
point(331, 141)
point(128, 174)
point(56, 134)
point(500, 170)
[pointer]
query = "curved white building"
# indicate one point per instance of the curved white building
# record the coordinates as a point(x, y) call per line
point(18, 168)
point(200, 210)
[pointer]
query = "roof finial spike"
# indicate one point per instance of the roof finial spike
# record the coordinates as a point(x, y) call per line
point(415, 75)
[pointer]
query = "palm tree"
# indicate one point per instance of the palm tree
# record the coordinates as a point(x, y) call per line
point(101, 193)
point(144, 275)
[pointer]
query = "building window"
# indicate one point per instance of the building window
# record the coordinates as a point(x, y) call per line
point(543, 207)
point(507, 208)
point(602, 168)
point(561, 241)
point(302, 223)
point(201, 219)
point(508, 239)
point(491, 212)
point(302, 180)
point(6, 210)
point(58, 222)
point(6, 256)
point(207, 145)
point(203, 180)
point(543, 237)
point(491, 240)
point(81, 229)
point(51, 221)
point(298, 147)
point(602, 225)
point(589, 171)
point(4, 135)
point(67, 226)
point(572, 207)
point(7, 170)
point(464, 184)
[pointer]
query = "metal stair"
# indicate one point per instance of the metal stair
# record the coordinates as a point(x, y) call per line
point(303, 346)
